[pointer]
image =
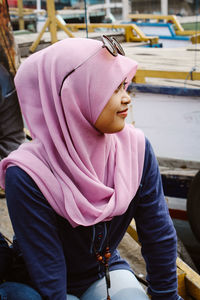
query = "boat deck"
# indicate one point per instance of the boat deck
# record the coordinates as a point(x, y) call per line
point(184, 59)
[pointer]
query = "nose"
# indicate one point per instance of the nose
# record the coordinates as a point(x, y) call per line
point(126, 99)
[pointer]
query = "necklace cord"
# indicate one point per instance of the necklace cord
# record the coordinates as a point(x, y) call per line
point(103, 259)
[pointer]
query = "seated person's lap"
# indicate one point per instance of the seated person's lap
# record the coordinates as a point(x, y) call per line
point(123, 286)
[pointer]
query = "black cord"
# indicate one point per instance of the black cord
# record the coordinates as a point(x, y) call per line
point(140, 279)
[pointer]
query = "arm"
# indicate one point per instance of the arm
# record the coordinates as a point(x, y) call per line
point(35, 226)
point(156, 232)
point(11, 123)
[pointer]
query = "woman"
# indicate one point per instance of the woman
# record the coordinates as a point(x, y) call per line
point(74, 189)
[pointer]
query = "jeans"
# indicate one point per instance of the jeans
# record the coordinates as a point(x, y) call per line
point(124, 285)
point(17, 291)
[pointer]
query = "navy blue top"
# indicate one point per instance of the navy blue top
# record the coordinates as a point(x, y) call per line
point(61, 259)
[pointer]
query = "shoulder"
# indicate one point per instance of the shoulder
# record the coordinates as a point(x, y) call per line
point(133, 137)
point(133, 131)
point(21, 188)
point(151, 175)
point(150, 159)
point(17, 178)
point(15, 172)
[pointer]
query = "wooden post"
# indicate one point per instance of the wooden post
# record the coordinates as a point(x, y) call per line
point(52, 24)
point(20, 14)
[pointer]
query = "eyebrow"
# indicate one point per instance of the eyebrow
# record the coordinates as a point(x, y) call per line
point(124, 81)
point(120, 84)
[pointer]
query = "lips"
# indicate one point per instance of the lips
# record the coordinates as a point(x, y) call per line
point(123, 113)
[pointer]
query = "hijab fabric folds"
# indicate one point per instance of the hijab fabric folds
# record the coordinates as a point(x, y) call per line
point(87, 177)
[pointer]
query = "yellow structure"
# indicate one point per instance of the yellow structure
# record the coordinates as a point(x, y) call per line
point(188, 279)
point(25, 11)
point(142, 74)
point(131, 31)
point(168, 19)
point(52, 23)
point(20, 14)
point(20, 11)
point(195, 39)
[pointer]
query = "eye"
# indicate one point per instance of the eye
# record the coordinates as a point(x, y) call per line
point(117, 89)
point(123, 85)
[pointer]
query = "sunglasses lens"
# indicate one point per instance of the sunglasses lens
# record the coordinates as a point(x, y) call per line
point(118, 46)
point(108, 43)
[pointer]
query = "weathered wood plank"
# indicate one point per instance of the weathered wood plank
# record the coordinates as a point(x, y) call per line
point(188, 279)
point(192, 279)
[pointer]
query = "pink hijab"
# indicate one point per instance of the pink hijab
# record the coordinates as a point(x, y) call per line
point(87, 177)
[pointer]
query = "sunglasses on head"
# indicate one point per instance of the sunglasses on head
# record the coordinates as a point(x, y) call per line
point(110, 43)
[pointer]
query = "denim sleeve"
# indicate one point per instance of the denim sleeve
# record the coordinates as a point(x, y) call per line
point(5, 258)
point(156, 232)
point(35, 226)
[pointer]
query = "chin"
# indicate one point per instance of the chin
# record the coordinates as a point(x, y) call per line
point(118, 129)
point(121, 127)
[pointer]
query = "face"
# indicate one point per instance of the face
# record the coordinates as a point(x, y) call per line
point(112, 118)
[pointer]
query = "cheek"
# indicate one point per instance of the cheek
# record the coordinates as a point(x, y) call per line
point(105, 120)
point(110, 114)
point(108, 117)
point(112, 106)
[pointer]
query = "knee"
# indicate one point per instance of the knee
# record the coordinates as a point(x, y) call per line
point(15, 291)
